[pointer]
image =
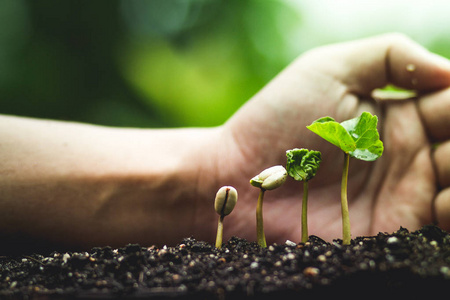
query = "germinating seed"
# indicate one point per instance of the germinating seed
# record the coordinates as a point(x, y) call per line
point(225, 201)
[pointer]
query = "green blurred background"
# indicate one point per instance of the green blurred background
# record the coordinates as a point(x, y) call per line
point(171, 63)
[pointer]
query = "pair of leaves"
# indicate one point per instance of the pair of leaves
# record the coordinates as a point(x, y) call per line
point(302, 164)
point(357, 137)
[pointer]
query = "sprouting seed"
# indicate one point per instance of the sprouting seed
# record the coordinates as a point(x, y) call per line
point(224, 204)
point(268, 179)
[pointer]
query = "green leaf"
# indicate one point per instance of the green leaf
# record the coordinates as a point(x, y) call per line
point(364, 132)
point(361, 139)
point(333, 132)
point(302, 164)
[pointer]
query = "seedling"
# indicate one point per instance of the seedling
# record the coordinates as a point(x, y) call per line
point(357, 138)
point(268, 179)
point(226, 199)
point(302, 165)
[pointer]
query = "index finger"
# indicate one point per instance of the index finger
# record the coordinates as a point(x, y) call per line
point(371, 63)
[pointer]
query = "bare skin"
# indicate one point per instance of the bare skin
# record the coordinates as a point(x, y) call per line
point(398, 189)
point(87, 185)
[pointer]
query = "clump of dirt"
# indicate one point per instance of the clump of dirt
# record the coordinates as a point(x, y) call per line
point(404, 263)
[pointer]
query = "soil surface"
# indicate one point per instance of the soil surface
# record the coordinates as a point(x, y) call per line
point(402, 263)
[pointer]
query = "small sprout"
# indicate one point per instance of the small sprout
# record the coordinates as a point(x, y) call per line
point(268, 179)
point(226, 199)
point(302, 165)
point(358, 138)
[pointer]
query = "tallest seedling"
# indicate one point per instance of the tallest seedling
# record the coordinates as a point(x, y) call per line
point(357, 138)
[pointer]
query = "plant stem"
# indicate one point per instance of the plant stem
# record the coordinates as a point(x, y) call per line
point(346, 235)
point(304, 212)
point(219, 236)
point(261, 238)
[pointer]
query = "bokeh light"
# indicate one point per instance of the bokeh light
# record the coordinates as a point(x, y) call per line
point(173, 63)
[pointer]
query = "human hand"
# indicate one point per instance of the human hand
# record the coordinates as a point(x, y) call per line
point(396, 190)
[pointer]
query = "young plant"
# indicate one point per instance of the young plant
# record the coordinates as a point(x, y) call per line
point(268, 179)
point(357, 138)
point(302, 165)
point(226, 199)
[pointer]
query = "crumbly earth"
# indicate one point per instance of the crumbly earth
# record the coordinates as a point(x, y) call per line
point(404, 263)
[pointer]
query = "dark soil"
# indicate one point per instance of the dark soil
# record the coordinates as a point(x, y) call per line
point(404, 263)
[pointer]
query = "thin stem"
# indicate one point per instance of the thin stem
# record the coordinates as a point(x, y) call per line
point(346, 235)
point(261, 238)
point(304, 212)
point(219, 236)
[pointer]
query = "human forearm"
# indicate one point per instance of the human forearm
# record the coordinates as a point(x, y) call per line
point(83, 184)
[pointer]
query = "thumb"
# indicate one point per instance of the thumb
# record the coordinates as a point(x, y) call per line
point(371, 63)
